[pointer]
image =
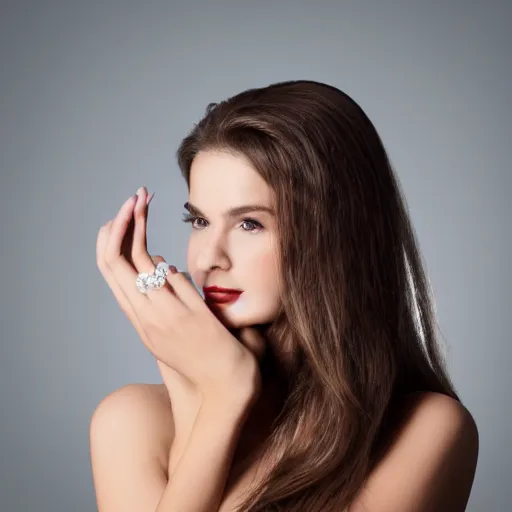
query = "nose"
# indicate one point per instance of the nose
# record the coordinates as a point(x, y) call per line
point(212, 254)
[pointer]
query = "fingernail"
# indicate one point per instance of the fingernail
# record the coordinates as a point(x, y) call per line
point(130, 199)
point(173, 269)
point(148, 200)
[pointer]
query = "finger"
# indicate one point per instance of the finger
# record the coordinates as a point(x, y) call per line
point(119, 231)
point(121, 294)
point(253, 340)
point(139, 254)
point(127, 243)
point(118, 292)
point(160, 300)
point(123, 271)
point(184, 289)
point(156, 260)
point(145, 304)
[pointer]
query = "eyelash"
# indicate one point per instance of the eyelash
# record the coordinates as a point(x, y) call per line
point(192, 218)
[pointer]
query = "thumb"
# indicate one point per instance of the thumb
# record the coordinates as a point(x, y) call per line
point(253, 340)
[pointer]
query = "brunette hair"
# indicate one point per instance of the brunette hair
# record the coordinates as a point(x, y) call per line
point(367, 335)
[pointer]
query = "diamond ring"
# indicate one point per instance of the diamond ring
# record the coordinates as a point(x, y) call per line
point(155, 280)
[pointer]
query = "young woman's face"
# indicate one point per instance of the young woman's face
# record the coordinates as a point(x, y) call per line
point(233, 250)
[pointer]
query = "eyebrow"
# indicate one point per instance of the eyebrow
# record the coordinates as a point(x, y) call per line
point(232, 212)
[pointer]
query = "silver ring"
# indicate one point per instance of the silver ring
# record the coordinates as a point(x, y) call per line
point(153, 281)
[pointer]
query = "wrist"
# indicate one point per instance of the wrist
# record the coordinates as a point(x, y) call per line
point(235, 396)
point(224, 414)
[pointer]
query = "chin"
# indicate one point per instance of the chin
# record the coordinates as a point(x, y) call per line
point(237, 320)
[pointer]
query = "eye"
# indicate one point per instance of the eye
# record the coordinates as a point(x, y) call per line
point(190, 218)
point(254, 225)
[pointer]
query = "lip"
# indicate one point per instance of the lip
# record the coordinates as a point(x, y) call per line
point(214, 294)
point(218, 289)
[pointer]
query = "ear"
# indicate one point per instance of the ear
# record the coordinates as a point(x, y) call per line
point(253, 341)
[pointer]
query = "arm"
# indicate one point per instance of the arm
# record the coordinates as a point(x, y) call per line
point(207, 458)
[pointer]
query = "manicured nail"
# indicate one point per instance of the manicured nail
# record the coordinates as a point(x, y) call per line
point(173, 269)
point(130, 200)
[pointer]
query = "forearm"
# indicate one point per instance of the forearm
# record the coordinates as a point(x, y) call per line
point(198, 482)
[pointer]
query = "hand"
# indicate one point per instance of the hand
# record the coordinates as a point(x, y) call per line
point(174, 322)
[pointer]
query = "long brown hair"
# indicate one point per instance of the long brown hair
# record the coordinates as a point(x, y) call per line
point(367, 336)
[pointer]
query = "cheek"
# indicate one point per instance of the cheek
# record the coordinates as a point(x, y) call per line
point(262, 284)
point(260, 270)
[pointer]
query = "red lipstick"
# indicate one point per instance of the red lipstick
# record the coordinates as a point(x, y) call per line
point(220, 295)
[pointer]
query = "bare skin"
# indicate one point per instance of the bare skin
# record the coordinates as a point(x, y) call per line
point(425, 412)
point(140, 432)
point(137, 437)
point(245, 465)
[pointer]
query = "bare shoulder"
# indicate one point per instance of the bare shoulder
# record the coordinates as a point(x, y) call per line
point(131, 431)
point(431, 461)
point(143, 408)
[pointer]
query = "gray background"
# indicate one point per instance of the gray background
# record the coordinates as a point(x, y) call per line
point(95, 97)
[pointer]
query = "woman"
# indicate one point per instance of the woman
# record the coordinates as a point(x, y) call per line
point(314, 382)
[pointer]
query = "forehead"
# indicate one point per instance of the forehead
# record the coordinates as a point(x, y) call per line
point(220, 177)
